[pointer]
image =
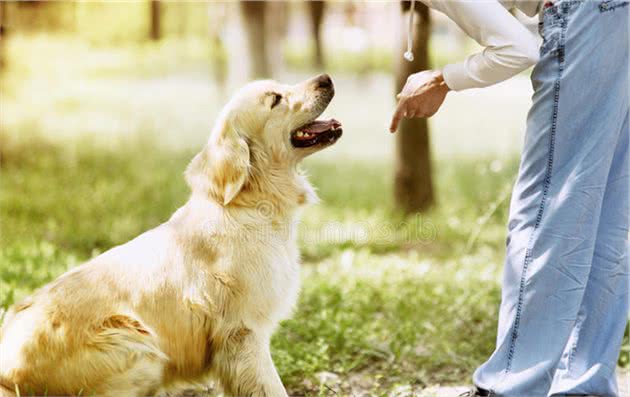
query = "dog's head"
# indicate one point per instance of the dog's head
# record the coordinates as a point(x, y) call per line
point(264, 131)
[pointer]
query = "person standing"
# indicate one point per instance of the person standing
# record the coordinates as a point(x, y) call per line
point(565, 299)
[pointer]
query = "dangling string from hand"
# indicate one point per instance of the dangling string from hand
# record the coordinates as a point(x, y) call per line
point(409, 53)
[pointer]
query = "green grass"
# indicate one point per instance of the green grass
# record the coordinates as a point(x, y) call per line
point(393, 303)
point(379, 309)
point(390, 317)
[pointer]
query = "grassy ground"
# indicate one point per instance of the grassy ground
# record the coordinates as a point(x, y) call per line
point(386, 300)
point(92, 154)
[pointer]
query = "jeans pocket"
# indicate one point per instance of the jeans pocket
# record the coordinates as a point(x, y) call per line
point(549, 28)
point(553, 21)
point(611, 5)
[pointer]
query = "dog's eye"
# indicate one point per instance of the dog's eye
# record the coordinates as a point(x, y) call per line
point(276, 100)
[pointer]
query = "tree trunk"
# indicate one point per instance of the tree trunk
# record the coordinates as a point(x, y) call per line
point(155, 28)
point(3, 34)
point(254, 21)
point(277, 14)
point(413, 186)
point(316, 12)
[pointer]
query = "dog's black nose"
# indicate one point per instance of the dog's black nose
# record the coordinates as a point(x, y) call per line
point(323, 81)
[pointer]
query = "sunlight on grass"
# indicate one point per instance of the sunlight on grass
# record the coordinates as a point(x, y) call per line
point(130, 90)
point(403, 304)
point(394, 305)
point(397, 318)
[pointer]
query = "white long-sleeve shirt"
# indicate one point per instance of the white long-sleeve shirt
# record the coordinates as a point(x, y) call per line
point(509, 47)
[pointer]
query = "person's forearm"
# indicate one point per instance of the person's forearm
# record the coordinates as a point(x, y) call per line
point(509, 47)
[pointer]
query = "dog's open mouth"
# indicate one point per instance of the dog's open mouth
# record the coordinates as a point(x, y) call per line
point(317, 132)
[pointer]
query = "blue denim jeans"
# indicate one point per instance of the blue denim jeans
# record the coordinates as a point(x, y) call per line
point(565, 300)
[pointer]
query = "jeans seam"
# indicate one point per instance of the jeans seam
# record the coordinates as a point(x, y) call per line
point(578, 327)
point(543, 200)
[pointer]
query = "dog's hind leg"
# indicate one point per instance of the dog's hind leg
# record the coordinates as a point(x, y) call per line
point(143, 379)
point(130, 348)
point(119, 357)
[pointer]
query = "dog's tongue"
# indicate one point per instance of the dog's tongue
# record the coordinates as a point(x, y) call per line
point(319, 126)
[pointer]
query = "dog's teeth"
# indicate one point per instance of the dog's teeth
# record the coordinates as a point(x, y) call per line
point(299, 134)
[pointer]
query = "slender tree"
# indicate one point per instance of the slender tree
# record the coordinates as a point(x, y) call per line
point(254, 21)
point(316, 13)
point(413, 185)
point(155, 28)
point(3, 34)
point(3, 18)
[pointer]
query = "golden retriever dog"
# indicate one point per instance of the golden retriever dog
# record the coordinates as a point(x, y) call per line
point(198, 297)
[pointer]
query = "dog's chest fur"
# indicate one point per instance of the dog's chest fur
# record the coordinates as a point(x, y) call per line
point(244, 269)
point(263, 264)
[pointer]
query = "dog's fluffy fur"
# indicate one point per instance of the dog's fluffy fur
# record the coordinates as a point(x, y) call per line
point(197, 297)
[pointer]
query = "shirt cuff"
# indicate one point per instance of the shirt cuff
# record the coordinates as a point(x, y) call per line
point(456, 77)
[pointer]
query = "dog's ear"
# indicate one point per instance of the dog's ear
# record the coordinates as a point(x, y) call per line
point(222, 167)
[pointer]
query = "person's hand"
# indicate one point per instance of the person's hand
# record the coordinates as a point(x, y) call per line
point(422, 96)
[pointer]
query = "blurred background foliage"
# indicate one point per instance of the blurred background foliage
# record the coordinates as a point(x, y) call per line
point(100, 113)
